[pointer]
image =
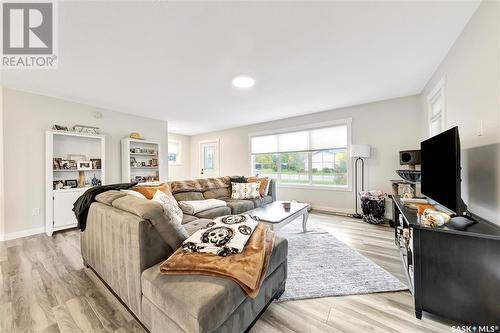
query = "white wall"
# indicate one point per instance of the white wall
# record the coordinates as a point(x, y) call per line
point(26, 118)
point(388, 126)
point(2, 206)
point(471, 70)
point(181, 171)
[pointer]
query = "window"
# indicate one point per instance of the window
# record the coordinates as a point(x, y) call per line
point(316, 156)
point(174, 152)
point(436, 108)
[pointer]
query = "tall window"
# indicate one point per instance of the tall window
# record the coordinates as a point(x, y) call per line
point(436, 108)
point(174, 152)
point(311, 157)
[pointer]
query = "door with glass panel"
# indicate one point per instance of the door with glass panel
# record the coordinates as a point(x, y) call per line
point(209, 159)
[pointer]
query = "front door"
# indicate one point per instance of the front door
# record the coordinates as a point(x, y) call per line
point(209, 159)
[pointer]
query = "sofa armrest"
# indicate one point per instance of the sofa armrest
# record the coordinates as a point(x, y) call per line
point(119, 246)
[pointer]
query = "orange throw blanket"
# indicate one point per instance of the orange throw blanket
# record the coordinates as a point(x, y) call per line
point(248, 268)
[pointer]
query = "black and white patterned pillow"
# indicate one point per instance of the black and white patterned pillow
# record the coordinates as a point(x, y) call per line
point(242, 191)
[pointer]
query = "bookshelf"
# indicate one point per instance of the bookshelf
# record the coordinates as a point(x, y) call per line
point(140, 160)
point(74, 163)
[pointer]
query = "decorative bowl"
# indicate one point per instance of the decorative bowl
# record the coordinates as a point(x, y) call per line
point(410, 175)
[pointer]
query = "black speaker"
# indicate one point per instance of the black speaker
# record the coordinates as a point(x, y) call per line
point(409, 157)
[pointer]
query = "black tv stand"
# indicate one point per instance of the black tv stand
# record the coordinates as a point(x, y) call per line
point(451, 273)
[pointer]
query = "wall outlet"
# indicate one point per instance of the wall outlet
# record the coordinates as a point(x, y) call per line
point(480, 131)
point(36, 211)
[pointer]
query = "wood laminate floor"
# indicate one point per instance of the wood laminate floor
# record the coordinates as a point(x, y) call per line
point(44, 288)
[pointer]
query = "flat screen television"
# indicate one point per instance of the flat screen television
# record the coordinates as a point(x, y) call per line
point(441, 168)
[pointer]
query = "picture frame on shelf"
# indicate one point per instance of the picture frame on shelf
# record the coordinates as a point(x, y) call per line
point(84, 165)
point(57, 184)
point(68, 164)
point(96, 163)
point(56, 165)
point(71, 182)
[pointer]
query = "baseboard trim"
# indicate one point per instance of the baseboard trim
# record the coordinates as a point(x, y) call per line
point(327, 209)
point(21, 234)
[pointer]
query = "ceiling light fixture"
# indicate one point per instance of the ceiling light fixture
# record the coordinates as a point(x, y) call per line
point(243, 81)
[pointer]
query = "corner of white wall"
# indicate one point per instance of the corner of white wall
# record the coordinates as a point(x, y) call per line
point(2, 206)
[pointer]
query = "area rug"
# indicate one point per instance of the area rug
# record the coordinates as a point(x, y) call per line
point(319, 265)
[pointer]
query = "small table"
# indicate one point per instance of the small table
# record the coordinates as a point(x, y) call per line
point(276, 217)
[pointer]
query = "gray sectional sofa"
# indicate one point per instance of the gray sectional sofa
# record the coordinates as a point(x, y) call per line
point(121, 245)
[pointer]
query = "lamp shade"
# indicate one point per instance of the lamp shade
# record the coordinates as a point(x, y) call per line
point(360, 150)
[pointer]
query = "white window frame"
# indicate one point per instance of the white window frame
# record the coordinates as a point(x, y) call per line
point(438, 92)
point(178, 161)
point(338, 122)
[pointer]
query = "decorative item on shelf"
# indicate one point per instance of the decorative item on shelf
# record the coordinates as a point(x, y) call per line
point(84, 165)
point(96, 163)
point(154, 162)
point(84, 129)
point(95, 181)
point(359, 152)
point(434, 218)
point(133, 161)
point(73, 183)
point(56, 165)
point(81, 179)
point(136, 136)
point(410, 176)
point(68, 164)
point(59, 128)
point(57, 184)
point(143, 164)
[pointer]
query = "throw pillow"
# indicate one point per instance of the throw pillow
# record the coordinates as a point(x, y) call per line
point(172, 212)
point(245, 190)
point(238, 179)
point(134, 193)
point(264, 184)
point(150, 191)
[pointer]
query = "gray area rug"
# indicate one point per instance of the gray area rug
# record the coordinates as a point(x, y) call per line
point(319, 265)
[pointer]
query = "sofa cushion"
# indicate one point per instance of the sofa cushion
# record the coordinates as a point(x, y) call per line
point(199, 303)
point(188, 218)
point(195, 225)
point(186, 196)
point(217, 193)
point(259, 202)
point(214, 212)
point(238, 206)
point(109, 196)
point(172, 233)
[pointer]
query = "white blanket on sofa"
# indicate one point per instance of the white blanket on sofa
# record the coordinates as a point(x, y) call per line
point(225, 235)
point(192, 207)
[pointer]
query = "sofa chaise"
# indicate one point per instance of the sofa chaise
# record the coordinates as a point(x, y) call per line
point(121, 245)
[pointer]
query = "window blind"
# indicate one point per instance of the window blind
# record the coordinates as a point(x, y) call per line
point(313, 139)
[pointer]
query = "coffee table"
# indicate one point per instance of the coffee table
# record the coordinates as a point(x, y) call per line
point(276, 217)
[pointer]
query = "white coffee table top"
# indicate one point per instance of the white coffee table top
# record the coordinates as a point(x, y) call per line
point(275, 213)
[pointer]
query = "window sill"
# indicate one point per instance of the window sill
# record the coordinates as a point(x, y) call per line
point(317, 187)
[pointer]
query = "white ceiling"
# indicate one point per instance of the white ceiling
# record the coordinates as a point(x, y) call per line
point(176, 60)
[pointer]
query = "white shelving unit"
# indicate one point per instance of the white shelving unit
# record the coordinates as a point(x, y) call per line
point(59, 202)
point(140, 160)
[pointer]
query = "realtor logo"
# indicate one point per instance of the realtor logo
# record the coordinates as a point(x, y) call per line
point(28, 35)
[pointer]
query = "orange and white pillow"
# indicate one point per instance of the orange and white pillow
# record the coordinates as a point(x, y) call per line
point(264, 184)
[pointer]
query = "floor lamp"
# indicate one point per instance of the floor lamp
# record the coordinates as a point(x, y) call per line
point(359, 152)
